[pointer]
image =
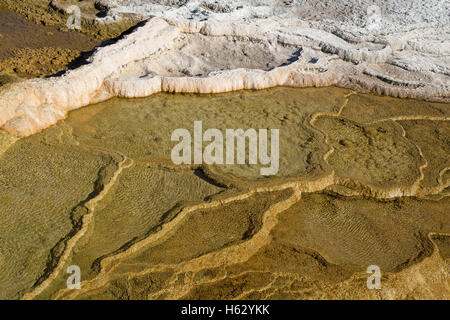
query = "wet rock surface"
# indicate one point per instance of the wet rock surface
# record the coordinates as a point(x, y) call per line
point(363, 179)
point(141, 227)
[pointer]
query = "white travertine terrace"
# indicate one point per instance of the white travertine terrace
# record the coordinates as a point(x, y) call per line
point(175, 52)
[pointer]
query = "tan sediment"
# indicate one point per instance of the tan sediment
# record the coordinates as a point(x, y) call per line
point(223, 257)
point(374, 191)
point(234, 255)
point(86, 220)
point(286, 272)
point(240, 252)
point(45, 198)
point(370, 108)
point(432, 138)
point(91, 128)
point(434, 142)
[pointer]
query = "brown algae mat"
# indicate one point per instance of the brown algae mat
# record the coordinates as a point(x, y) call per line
point(35, 41)
point(51, 13)
point(99, 190)
point(28, 49)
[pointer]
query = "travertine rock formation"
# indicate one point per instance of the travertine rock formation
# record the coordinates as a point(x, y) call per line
point(208, 48)
point(363, 180)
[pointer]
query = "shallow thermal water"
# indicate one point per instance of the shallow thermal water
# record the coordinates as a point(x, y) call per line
point(99, 190)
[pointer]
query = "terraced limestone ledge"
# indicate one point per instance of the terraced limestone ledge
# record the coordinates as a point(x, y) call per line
point(179, 56)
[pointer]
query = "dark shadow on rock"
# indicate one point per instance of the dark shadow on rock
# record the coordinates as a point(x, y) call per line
point(294, 57)
point(83, 59)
